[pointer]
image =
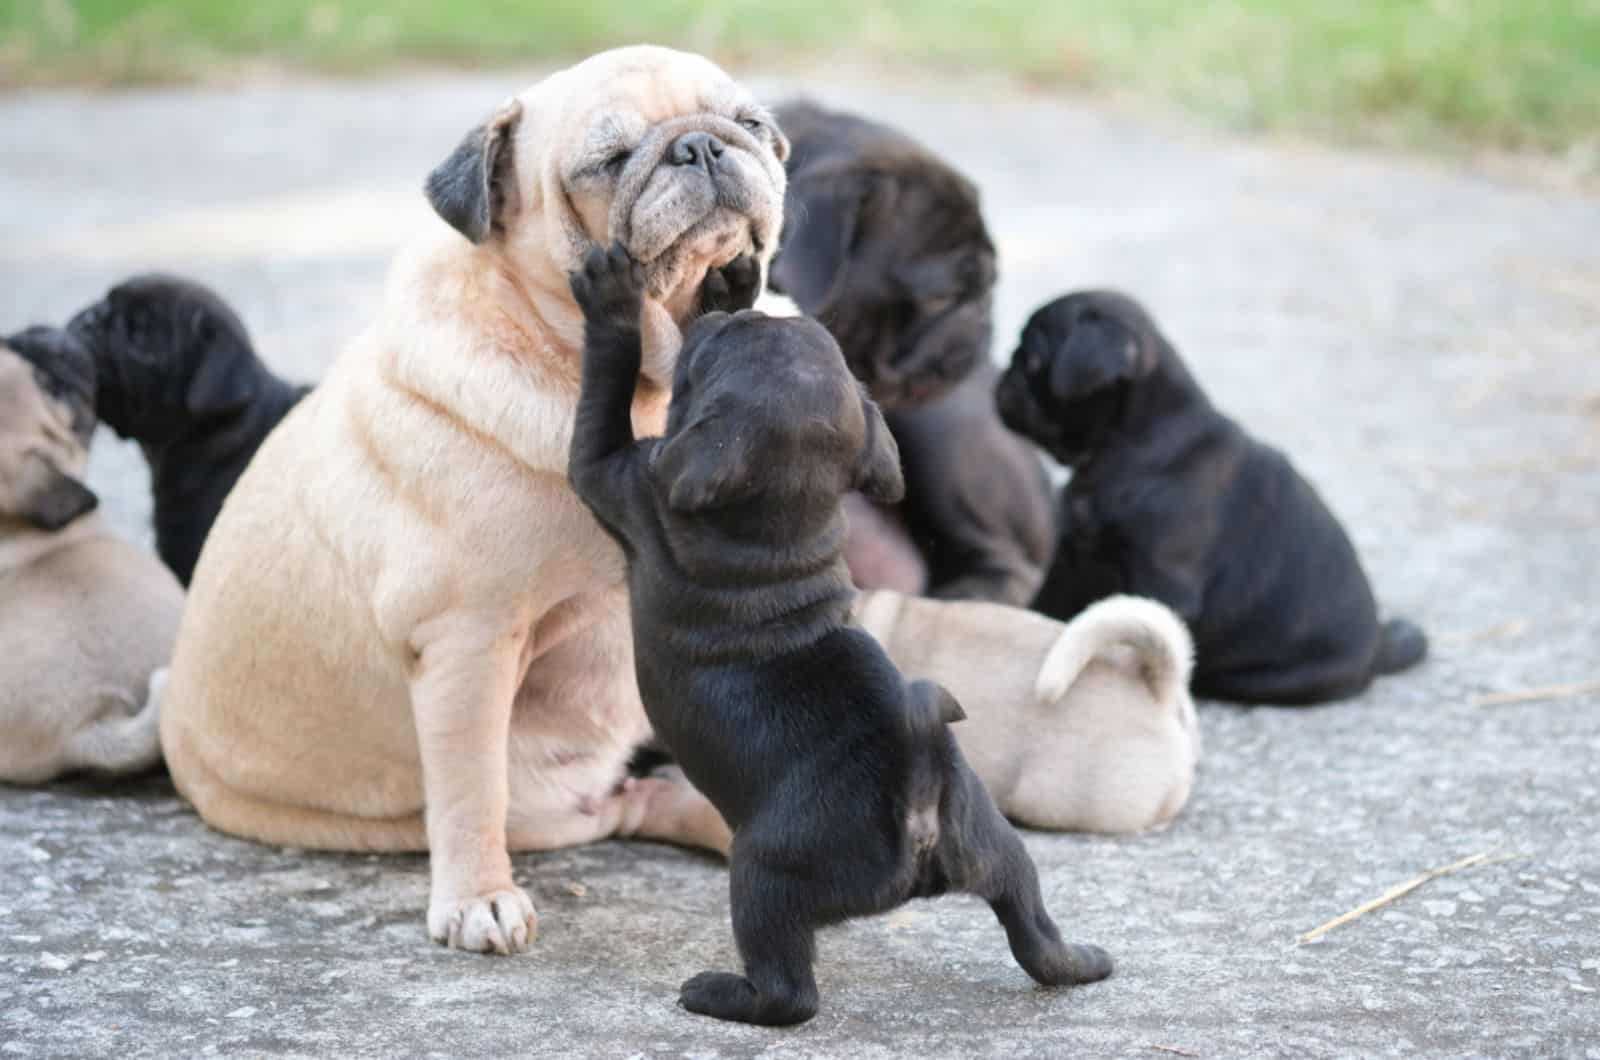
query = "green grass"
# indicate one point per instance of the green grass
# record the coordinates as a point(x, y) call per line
point(1509, 73)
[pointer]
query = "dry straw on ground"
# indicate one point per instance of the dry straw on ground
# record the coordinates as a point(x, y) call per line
point(1401, 890)
point(1533, 695)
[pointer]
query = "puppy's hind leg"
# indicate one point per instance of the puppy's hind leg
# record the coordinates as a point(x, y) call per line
point(774, 927)
point(116, 741)
point(1000, 871)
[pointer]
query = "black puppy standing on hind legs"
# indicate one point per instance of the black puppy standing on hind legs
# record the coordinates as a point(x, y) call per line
point(844, 789)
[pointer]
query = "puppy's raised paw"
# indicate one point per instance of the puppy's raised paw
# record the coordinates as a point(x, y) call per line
point(609, 286)
point(498, 922)
point(733, 287)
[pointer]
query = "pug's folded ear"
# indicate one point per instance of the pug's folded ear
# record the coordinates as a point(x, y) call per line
point(49, 499)
point(703, 469)
point(227, 378)
point(475, 189)
point(1098, 353)
point(878, 475)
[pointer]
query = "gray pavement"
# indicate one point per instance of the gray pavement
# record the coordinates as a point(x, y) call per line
point(1422, 340)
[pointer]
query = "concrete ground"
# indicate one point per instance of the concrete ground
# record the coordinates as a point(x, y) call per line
point(1423, 342)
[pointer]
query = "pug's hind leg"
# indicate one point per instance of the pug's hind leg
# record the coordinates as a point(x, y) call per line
point(773, 925)
point(1006, 878)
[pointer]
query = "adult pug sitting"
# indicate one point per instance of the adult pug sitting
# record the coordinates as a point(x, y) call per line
point(884, 243)
point(405, 631)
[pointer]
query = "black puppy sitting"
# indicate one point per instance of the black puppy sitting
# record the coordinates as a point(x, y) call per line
point(885, 244)
point(178, 374)
point(1171, 499)
point(844, 789)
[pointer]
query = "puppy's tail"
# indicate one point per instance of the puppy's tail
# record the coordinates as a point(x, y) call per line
point(1157, 636)
point(1401, 644)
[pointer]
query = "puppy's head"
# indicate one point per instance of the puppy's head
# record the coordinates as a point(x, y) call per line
point(46, 418)
point(656, 148)
point(764, 407)
point(168, 353)
point(1072, 375)
point(884, 243)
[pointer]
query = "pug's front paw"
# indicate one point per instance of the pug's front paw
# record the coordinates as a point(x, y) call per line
point(609, 286)
point(498, 922)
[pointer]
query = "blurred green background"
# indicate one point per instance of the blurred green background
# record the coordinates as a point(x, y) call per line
point(1522, 74)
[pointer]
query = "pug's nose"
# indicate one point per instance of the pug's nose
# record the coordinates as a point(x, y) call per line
point(697, 149)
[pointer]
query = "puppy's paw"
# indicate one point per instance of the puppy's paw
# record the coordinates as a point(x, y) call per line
point(1070, 964)
point(609, 286)
point(725, 996)
point(498, 922)
point(733, 287)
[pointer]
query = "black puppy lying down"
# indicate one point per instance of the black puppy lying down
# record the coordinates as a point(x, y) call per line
point(178, 375)
point(844, 789)
point(1171, 499)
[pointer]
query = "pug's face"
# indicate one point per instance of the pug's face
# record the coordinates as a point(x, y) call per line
point(654, 148)
point(46, 417)
point(885, 244)
point(1073, 374)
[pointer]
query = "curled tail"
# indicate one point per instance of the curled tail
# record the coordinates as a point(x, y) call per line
point(1400, 644)
point(1157, 636)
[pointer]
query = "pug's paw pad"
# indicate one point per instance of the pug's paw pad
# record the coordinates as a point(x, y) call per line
point(498, 922)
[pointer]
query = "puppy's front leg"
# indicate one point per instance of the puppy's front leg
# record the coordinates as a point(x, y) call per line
point(461, 693)
point(1085, 568)
point(609, 288)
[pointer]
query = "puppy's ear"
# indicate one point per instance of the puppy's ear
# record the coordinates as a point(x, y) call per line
point(475, 188)
point(703, 469)
point(878, 475)
point(49, 499)
point(226, 378)
point(932, 704)
point(1099, 352)
point(820, 223)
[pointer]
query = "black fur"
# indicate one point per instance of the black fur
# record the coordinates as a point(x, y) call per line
point(885, 244)
point(844, 788)
point(1171, 499)
point(176, 372)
